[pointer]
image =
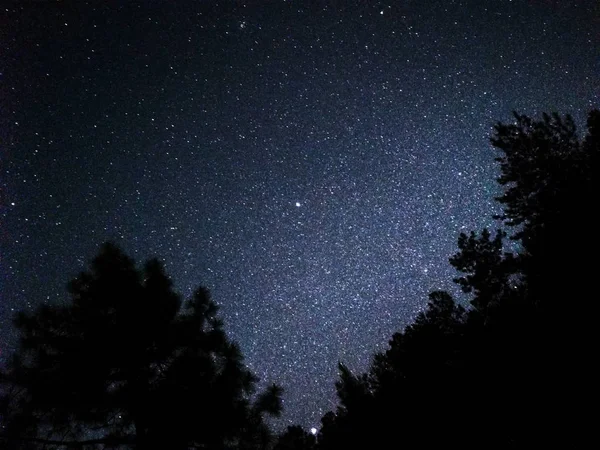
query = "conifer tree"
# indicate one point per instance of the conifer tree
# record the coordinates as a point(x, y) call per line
point(127, 364)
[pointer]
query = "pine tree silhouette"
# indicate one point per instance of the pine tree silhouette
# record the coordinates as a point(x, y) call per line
point(514, 370)
point(127, 363)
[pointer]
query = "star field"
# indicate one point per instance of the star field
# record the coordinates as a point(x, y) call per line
point(311, 162)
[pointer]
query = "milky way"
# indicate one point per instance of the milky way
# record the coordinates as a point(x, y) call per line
point(312, 163)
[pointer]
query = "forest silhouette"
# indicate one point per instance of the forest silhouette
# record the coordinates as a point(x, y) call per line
point(126, 363)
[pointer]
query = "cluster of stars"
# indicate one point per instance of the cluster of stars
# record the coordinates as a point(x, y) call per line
point(312, 164)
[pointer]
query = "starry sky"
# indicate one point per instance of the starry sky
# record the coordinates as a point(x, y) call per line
point(311, 162)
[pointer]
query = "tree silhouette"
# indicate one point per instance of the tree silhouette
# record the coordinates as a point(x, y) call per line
point(126, 363)
point(514, 369)
point(295, 438)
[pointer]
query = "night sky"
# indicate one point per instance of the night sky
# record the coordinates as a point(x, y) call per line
point(311, 162)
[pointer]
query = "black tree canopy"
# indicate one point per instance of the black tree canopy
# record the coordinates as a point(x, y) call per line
point(126, 362)
point(514, 369)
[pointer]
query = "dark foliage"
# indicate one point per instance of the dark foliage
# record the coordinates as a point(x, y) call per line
point(295, 438)
point(126, 364)
point(514, 369)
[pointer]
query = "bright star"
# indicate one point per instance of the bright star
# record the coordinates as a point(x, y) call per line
point(298, 205)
